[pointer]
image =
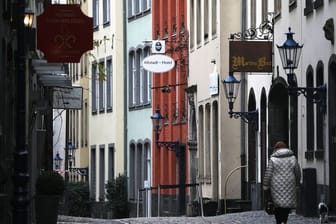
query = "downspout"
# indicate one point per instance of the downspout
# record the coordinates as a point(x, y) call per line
point(242, 108)
point(125, 86)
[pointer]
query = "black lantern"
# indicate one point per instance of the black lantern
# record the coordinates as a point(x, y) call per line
point(58, 161)
point(28, 18)
point(290, 52)
point(157, 120)
point(231, 87)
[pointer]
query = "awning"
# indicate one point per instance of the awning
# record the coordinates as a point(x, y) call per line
point(51, 74)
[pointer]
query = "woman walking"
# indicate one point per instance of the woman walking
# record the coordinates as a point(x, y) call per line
point(282, 176)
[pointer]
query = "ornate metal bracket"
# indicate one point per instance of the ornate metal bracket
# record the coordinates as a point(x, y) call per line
point(250, 117)
point(314, 94)
point(263, 32)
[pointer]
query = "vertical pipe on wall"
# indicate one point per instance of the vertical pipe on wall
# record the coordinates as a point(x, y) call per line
point(242, 108)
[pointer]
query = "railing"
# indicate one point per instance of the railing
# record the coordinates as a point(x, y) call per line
point(227, 180)
point(161, 187)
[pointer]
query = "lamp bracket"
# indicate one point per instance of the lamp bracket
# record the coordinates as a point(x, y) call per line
point(169, 145)
point(251, 117)
point(314, 94)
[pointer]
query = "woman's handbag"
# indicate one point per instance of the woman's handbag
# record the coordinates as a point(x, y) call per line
point(269, 208)
point(268, 203)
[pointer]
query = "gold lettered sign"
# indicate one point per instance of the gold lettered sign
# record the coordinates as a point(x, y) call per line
point(251, 56)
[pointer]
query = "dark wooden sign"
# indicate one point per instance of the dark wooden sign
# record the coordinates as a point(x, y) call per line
point(251, 56)
point(64, 33)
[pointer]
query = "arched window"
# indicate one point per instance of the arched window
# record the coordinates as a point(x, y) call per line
point(319, 116)
point(310, 116)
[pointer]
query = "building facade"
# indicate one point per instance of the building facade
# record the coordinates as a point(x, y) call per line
point(169, 150)
point(216, 142)
point(139, 105)
point(106, 96)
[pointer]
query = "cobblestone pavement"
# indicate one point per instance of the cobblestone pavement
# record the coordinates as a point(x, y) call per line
point(252, 217)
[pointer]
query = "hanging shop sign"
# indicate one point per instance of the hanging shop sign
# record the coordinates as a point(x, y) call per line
point(64, 33)
point(158, 63)
point(68, 98)
point(251, 56)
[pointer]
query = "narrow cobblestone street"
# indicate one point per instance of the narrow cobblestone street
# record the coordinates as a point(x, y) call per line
point(252, 217)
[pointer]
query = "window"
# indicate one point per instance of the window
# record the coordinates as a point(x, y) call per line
point(206, 20)
point(95, 13)
point(111, 162)
point(93, 89)
point(101, 172)
point(109, 84)
point(310, 117)
point(133, 190)
point(139, 167)
point(136, 7)
point(147, 80)
point(192, 27)
point(106, 11)
point(93, 173)
point(199, 22)
point(319, 154)
point(309, 7)
point(277, 7)
point(101, 92)
point(214, 17)
point(264, 10)
point(139, 79)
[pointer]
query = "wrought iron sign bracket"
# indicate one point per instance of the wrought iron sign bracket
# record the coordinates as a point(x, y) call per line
point(263, 32)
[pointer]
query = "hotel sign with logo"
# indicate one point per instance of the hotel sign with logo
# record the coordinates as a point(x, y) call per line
point(251, 56)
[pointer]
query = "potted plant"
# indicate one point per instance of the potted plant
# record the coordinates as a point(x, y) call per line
point(49, 189)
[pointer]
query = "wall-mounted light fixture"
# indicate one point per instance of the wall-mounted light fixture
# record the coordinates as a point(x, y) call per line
point(158, 120)
point(290, 52)
point(231, 87)
point(58, 161)
point(28, 18)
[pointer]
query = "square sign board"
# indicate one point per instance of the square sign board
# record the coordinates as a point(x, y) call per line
point(68, 98)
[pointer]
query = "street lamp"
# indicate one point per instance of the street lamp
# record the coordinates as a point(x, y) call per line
point(175, 146)
point(58, 161)
point(290, 52)
point(28, 18)
point(231, 87)
point(157, 120)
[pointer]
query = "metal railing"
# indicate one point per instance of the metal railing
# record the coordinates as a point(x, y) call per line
point(159, 188)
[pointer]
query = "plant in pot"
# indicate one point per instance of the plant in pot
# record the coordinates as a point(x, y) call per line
point(49, 189)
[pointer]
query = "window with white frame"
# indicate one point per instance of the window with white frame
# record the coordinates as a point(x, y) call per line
point(95, 13)
point(101, 91)
point(277, 7)
point(148, 80)
point(106, 11)
point(139, 78)
point(206, 20)
point(214, 17)
point(109, 85)
point(192, 22)
point(93, 89)
point(198, 22)
point(136, 7)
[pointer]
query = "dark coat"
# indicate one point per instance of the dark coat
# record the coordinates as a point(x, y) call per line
point(282, 175)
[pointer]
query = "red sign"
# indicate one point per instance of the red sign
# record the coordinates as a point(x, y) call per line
point(64, 33)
